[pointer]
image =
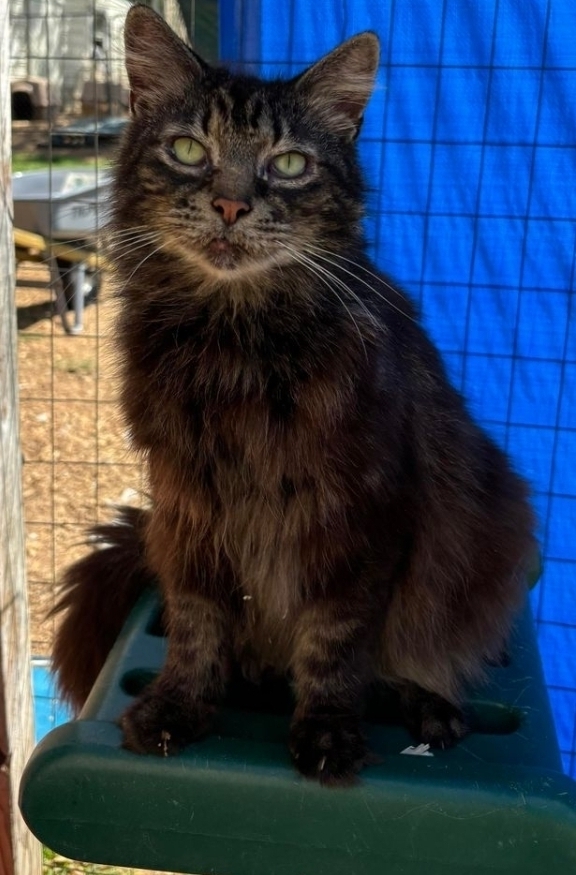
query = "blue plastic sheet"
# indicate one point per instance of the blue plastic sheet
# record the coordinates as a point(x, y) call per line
point(469, 150)
point(49, 711)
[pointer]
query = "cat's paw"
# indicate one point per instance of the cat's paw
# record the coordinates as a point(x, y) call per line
point(330, 748)
point(159, 725)
point(433, 720)
point(444, 728)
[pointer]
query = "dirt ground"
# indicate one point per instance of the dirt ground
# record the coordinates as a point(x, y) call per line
point(77, 461)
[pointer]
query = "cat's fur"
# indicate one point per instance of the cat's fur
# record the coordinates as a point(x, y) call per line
point(322, 503)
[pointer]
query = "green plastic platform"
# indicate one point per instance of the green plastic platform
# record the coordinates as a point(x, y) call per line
point(232, 804)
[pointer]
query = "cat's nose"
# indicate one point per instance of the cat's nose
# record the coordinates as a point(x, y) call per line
point(230, 210)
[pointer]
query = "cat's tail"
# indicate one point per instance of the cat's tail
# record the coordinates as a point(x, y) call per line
point(97, 594)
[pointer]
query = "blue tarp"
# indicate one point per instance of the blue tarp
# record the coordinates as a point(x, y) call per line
point(49, 711)
point(469, 149)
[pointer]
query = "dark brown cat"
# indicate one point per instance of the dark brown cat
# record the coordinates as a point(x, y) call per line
point(322, 503)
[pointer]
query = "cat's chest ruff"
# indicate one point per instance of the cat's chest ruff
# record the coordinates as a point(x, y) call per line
point(264, 540)
point(274, 487)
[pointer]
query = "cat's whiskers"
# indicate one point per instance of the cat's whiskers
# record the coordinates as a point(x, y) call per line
point(113, 231)
point(94, 238)
point(121, 248)
point(318, 251)
point(128, 243)
point(142, 261)
point(136, 243)
point(105, 241)
point(125, 242)
point(341, 284)
point(326, 277)
point(191, 244)
point(122, 235)
point(109, 234)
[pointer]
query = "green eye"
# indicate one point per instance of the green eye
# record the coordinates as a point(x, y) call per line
point(189, 151)
point(289, 165)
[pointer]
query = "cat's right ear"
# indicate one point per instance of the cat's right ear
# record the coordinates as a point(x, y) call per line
point(158, 63)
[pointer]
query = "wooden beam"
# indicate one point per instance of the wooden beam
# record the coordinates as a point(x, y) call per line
point(19, 850)
point(35, 247)
point(6, 853)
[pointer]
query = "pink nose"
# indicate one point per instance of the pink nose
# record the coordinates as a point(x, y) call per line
point(230, 210)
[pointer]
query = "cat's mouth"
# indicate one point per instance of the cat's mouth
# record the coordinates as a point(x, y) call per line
point(224, 255)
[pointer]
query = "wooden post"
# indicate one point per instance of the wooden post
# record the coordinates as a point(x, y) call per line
point(19, 850)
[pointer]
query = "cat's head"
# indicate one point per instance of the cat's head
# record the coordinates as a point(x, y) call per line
point(233, 175)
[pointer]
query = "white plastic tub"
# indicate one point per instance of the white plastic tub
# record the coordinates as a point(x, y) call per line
point(61, 204)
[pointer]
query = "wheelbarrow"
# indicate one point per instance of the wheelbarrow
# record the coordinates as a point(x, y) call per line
point(57, 217)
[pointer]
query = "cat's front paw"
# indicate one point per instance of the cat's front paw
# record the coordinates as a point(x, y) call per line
point(157, 724)
point(433, 720)
point(330, 748)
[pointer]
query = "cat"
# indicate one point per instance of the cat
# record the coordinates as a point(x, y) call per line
point(323, 506)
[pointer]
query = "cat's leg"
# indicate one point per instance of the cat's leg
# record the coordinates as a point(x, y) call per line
point(177, 708)
point(430, 718)
point(330, 669)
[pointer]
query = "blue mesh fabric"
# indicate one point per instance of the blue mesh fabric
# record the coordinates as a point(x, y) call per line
point(469, 150)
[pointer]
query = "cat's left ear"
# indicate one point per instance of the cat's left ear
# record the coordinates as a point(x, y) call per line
point(339, 85)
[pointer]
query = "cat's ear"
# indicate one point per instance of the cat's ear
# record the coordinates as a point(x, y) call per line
point(158, 63)
point(339, 85)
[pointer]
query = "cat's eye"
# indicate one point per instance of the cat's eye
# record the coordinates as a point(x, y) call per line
point(189, 151)
point(289, 165)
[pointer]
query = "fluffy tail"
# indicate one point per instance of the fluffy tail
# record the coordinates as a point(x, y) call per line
point(98, 592)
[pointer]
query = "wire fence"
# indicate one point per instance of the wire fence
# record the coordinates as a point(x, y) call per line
point(468, 149)
point(75, 456)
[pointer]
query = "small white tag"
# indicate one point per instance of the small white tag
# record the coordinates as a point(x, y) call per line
point(421, 750)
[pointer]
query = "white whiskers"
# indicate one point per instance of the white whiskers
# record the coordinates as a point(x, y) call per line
point(334, 258)
point(332, 282)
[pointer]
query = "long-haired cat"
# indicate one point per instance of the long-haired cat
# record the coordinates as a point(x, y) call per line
point(322, 504)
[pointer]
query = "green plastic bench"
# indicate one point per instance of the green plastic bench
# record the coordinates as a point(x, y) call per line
point(232, 804)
